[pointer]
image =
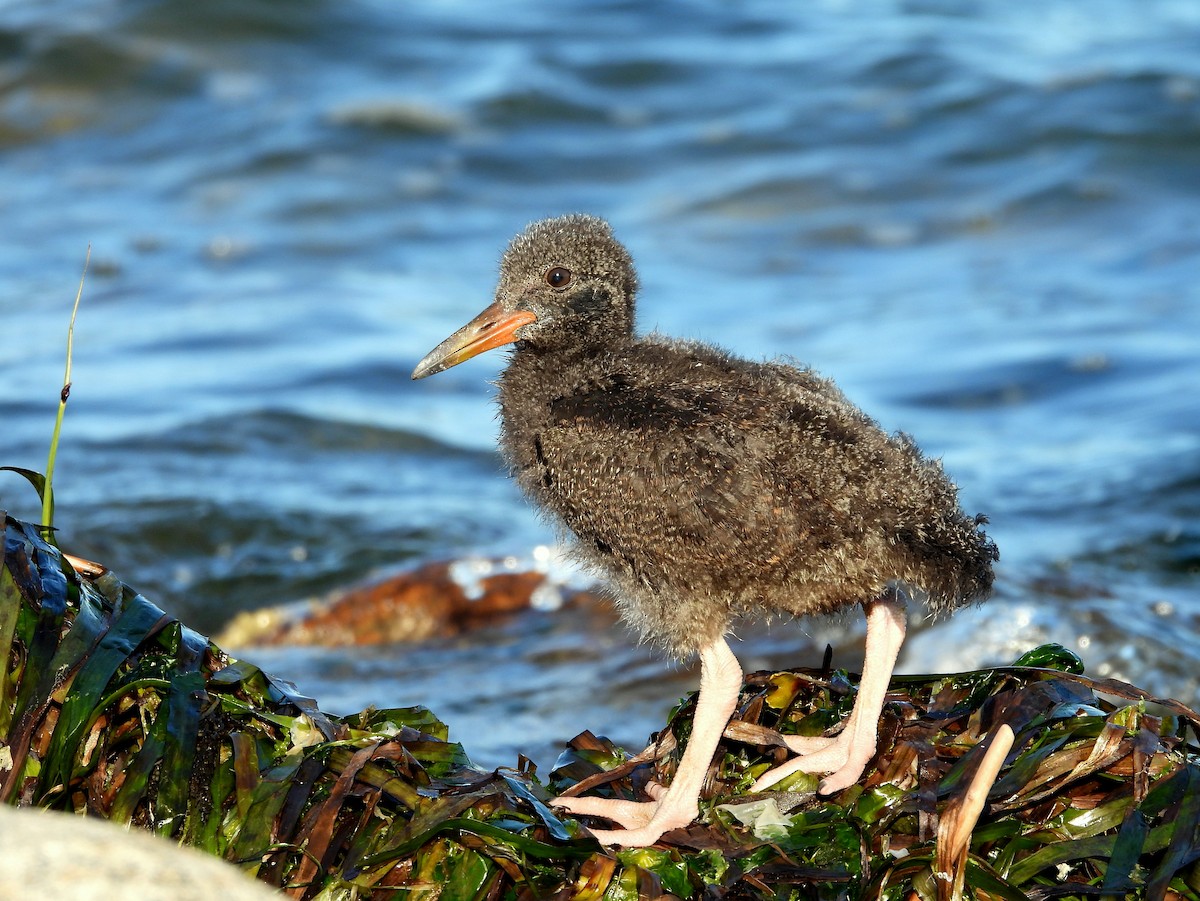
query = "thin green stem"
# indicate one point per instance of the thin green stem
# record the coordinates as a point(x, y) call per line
point(48, 494)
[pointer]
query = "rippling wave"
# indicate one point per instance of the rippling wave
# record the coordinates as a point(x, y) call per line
point(978, 217)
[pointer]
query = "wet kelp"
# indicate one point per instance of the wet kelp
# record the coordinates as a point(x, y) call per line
point(112, 708)
point(1096, 797)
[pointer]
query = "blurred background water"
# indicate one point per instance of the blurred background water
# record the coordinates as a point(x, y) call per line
point(980, 217)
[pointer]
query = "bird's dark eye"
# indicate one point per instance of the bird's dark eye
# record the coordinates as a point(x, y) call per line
point(558, 277)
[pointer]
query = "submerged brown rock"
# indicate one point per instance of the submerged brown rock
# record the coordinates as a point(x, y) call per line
point(429, 601)
point(707, 487)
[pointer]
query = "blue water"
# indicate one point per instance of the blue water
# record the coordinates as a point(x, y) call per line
point(981, 218)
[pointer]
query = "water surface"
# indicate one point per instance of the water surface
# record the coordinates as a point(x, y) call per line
point(980, 218)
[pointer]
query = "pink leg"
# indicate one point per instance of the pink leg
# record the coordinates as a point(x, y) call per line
point(676, 806)
point(845, 757)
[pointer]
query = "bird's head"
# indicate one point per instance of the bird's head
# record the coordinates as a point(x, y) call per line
point(564, 282)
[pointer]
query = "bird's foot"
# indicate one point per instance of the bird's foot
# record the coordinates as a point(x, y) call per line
point(644, 821)
point(843, 757)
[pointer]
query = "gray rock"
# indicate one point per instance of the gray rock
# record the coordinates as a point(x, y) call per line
point(49, 856)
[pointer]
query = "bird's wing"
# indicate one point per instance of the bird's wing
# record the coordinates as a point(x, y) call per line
point(681, 466)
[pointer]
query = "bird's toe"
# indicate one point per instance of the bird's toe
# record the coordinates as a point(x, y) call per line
point(836, 756)
point(848, 773)
point(629, 838)
point(808, 744)
point(630, 814)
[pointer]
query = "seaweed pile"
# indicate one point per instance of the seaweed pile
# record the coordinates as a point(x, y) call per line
point(111, 708)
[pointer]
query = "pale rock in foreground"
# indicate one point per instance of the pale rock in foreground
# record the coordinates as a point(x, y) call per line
point(45, 856)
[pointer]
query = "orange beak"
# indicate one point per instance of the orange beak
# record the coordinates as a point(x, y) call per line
point(491, 328)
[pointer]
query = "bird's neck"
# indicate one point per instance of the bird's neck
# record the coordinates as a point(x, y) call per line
point(536, 374)
point(552, 365)
point(531, 386)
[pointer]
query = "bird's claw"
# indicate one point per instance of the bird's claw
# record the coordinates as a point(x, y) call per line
point(656, 790)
